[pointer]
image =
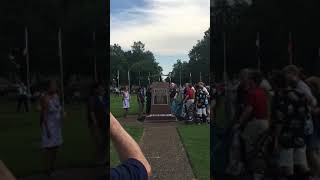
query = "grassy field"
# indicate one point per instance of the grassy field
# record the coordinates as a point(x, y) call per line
point(135, 132)
point(196, 140)
point(117, 110)
point(116, 105)
point(20, 140)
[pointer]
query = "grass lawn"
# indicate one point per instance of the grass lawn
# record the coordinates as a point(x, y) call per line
point(196, 140)
point(135, 132)
point(20, 140)
point(116, 105)
point(117, 110)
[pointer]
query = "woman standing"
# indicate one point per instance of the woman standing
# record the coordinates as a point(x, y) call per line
point(50, 121)
point(126, 101)
point(148, 105)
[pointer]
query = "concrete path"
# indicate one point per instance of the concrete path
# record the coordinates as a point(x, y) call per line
point(166, 154)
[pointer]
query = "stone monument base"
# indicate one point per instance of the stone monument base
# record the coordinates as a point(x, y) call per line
point(160, 118)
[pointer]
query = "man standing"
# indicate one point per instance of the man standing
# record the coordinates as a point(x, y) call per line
point(97, 121)
point(201, 102)
point(148, 95)
point(290, 113)
point(292, 74)
point(22, 97)
point(254, 121)
point(140, 99)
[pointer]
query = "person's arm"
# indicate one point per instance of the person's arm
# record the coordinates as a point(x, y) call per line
point(5, 174)
point(185, 99)
point(125, 145)
point(311, 99)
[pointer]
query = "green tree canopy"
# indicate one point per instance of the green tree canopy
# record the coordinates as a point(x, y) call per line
point(138, 61)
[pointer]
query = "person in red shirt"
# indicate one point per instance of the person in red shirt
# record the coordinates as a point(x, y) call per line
point(254, 121)
point(188, 100)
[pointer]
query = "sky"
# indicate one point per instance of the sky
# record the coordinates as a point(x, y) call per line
point(168, 28)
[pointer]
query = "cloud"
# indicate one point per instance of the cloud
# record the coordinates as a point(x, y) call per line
point(167, 27)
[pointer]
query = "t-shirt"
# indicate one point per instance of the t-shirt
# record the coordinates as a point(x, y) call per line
point(294, 109)
point(140, 96)
point(190, 93)
point(257, 98)
point(131, 169)
point(173, 93)
point(22, 90)
point(98, 105)
point(201, 98)
point(303, 88)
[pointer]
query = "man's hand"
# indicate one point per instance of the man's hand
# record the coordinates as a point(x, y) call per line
point(5, 174)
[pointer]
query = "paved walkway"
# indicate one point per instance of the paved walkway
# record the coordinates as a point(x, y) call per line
point(165, 152)
point(162, 146)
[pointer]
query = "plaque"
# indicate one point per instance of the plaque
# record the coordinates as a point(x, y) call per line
point(160, 96)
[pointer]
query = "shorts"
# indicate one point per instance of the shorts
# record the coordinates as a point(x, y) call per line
point(202, 111)
point(250, 135)
point(289, 157)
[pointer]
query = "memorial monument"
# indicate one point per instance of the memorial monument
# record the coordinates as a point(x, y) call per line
point(160, 103)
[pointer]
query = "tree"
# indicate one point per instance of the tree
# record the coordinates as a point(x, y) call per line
point(199, 61)
point(138, 61)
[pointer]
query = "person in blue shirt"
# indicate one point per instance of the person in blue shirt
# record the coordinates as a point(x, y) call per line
point(98, 122)
point(134, 165)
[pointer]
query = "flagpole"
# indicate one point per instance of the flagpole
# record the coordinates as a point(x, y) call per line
point(224, 59)
point(129, 80)
point(180, 76)
point(149, 78)
point(200, 77)
point(94, 57)
point(190, 78)
point(27, 61)
point(139, 80)
point(118, 77)
point(61, 67)
point(258, 50)
point(290, 49)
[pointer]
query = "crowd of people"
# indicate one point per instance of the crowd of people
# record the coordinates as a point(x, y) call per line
point(191, 102)
point(276, 130)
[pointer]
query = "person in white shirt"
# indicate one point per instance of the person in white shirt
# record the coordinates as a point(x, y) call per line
point(22, 97)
